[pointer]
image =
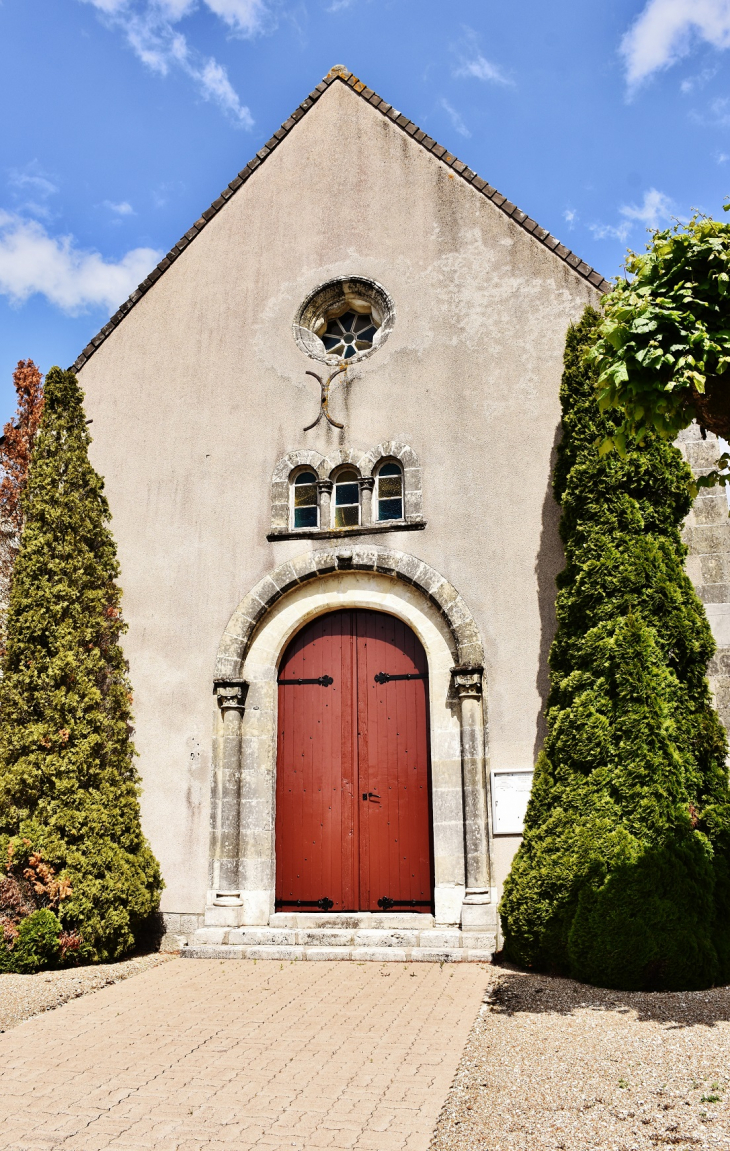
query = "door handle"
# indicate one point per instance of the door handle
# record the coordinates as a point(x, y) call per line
point(369, 795)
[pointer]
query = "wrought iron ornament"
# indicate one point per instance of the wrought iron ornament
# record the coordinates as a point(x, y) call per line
point(324, 398)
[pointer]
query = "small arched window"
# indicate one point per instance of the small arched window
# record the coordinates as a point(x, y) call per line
point(347, 500)
point(306, 510)
point(390, 492)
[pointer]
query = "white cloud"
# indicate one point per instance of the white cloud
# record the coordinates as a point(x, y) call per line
point(149, 27)
point(666, 30)
point(699, 81)
point(244, 16)
point(609, 232)
point(455, 118)
point(654, 210)
point(472, 63)
point(121, 209)
point(31, 190)
point(34, 263)
point(483, 69)
point(570, 216)
point(28, 181)
point(716, 115)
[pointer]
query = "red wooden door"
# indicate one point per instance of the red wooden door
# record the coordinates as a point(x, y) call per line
point(352, 787)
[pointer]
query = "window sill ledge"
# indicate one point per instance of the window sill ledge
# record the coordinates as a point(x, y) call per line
point(342, 533)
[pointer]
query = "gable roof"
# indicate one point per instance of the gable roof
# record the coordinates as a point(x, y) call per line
point(339, 74)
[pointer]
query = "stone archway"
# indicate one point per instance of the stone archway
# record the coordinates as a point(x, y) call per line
point(242, 863)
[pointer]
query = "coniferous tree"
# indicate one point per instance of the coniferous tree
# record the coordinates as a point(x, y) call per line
point(623, 876)
point(68, 784)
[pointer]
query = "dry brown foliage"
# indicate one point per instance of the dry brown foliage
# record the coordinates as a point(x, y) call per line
point(15, 451)
point(25, 889)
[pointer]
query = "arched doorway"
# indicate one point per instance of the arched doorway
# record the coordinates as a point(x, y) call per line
point(353, 820)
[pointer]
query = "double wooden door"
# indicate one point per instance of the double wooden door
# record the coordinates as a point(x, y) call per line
point(353, 827)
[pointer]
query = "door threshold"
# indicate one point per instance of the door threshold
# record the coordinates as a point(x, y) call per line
point(354, 920)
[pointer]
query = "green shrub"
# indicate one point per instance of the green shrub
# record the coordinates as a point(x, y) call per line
point(37, 944)
point(622, 878)
point(68, 783)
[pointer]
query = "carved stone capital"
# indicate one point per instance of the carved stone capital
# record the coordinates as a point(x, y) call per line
point(467, 681)
point(367, 483)
point(231, 694)
point(324, 487)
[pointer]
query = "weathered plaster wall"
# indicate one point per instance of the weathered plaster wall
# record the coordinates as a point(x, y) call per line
point(707, 535)
point(202, 389)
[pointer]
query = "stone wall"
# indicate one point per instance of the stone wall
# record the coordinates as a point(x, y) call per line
point(707, 534)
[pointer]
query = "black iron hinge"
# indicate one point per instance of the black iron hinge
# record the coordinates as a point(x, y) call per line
point(324, 680)
point(383, 677)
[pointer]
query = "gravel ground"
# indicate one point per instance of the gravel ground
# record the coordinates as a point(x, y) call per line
point(553, 1064)
point(24, 995)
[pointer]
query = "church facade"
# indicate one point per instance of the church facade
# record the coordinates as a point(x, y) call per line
point(327, 424)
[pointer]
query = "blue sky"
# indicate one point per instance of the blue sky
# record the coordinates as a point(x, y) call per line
point(123, 119)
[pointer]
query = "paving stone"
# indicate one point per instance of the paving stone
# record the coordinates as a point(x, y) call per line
point(210, 1055)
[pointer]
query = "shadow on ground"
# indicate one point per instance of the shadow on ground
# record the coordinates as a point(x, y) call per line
point(514, 991)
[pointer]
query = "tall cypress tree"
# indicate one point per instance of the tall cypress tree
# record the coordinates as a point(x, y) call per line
point(67, 777)
point(623, 876)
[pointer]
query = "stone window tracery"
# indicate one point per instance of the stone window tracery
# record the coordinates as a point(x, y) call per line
point(349, 334)
point(343, 320)
point(349, 490)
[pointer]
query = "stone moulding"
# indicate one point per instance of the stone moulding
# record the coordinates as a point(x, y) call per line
point(342, 76)
point(242, 861)
point(365, 463)
point(315, 564)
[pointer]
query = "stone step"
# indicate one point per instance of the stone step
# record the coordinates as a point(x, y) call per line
point(353, 920)
point(432, 939)
point(355, 954)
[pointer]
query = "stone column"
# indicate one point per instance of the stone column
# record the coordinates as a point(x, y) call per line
point(224, 899)
point(324, 490)
point(476, 910)
point(367, 483)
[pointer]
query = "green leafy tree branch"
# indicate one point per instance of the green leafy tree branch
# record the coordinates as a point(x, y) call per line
point(664, 341)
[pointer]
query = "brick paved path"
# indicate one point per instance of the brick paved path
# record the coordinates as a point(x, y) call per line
point(214, 1055)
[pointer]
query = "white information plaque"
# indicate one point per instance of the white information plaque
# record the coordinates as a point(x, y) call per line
point(510, 793)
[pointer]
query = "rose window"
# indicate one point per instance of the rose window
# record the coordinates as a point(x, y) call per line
point(349, 334)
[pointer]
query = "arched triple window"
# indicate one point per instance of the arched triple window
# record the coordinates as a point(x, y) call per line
point(347, 499)
point(389, 494)
point(305, 509)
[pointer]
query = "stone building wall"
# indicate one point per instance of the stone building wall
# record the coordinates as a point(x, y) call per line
point(707, 534)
